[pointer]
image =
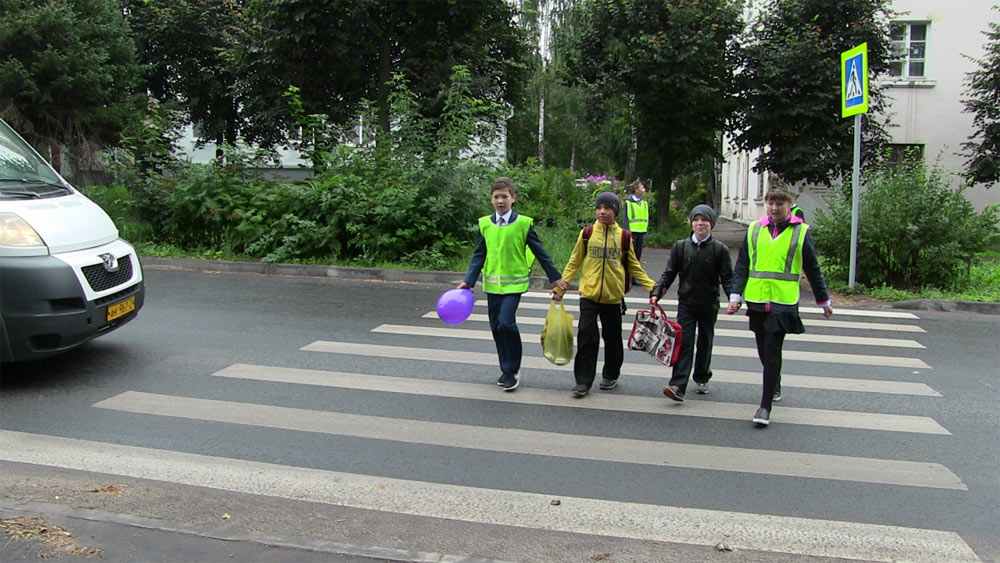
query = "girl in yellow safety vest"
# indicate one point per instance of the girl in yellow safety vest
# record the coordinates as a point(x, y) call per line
point(776, 251)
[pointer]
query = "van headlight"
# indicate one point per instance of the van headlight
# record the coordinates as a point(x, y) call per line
point(15, 231)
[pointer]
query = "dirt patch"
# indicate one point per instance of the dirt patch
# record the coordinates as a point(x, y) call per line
point(846, 300)
point(51, 541)
point(113, 490)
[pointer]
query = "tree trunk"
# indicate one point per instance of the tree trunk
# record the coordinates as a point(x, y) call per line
point(384, 74)
point(664, 197)
point(633, 146)
point(541, 128)
point(55, 157)
point(543, 49)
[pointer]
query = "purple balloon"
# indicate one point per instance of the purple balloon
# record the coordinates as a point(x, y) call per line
point(455, 305)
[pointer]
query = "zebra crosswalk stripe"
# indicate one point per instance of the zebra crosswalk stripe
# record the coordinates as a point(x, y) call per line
point(739, 352)
point(572, 296)
point(801, 536)
point(628, 369)
point(661, 454)
point(552, 398)
point(825, 339)
point(809, 322)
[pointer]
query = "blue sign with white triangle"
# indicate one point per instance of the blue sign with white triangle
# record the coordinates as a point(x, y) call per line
point(854, 81)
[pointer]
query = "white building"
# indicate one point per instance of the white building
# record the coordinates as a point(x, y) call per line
point(935, 40)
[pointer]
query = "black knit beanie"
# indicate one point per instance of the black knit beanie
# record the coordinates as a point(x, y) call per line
point(609, 199)
point(705, 211)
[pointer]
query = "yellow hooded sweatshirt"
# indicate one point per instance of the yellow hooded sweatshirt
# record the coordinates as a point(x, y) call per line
point(602, 276)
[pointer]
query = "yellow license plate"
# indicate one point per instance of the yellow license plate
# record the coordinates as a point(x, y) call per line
point(121, 308)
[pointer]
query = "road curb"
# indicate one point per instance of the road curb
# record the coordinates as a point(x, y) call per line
point(947, 306)
point(319, 271)
point(48, 511)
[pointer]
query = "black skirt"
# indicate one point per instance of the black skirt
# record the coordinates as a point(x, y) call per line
point(763, 321)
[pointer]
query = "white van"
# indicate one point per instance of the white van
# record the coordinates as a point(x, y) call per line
point(65, 276)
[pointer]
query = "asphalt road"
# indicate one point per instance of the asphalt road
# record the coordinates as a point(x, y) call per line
point(145, 409)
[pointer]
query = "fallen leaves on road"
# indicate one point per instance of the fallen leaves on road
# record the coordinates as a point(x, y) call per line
point(724, 547)
point(56, 540)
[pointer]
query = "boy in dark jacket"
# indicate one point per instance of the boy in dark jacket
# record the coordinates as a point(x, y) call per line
point(704, 266)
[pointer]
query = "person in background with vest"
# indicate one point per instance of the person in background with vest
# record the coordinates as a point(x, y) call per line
point(502, 256)
point(636, 215)
point(776, 250)
point(601, 260)
point(796, 210)
point(704, 265)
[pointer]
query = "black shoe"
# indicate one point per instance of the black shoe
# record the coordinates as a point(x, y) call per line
point(511, 383)
point(608, 384)
point(777, 395)
point(762, 418)
point(674, 392)
point(581, 391)
point(701, 388)
point(500, 380)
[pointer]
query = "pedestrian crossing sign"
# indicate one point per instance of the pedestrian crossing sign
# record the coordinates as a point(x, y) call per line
point(854, 81)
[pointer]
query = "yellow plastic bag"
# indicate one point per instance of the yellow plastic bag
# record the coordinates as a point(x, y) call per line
point(557, 335)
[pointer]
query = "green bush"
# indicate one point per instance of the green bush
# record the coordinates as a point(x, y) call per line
point(914, 230)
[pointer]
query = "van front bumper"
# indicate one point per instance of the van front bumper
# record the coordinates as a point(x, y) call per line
point(45, 310)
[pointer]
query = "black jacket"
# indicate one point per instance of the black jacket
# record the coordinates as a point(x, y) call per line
point(703, 268)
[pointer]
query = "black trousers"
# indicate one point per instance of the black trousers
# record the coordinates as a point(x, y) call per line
point(588, 341)
point(769, 346)
point(638, 239)
point(701, 323)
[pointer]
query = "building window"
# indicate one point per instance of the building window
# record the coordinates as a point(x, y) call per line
point(898, 154)
point(908, 58)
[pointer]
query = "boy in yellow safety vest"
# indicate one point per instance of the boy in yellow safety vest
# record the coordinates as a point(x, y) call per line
point(776, 251)
point(502, 255)
point(636, 215)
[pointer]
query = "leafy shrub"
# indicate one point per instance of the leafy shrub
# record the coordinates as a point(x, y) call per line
point(914, 230)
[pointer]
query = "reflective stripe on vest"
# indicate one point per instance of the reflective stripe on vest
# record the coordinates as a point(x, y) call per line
point(508, 267)
point(638, 216)
point(775, 264)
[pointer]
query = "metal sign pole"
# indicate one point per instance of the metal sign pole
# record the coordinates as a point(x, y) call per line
point(854, 101)
point(855, 190)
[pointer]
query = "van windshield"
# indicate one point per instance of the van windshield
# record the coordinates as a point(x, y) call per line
point(23, 174)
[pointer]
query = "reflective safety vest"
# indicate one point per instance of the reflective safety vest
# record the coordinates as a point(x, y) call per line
point(637, 215)
point(775, 264)
point(508, 258)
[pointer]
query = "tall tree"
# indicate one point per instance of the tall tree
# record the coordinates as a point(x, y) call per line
point(983, 102)
point(671, 62)
point(339, 54)
point(185, 47)
point(790, 105)
point(68, 75)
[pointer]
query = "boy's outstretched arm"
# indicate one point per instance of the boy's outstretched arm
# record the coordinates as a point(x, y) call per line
point(544, 260)
point(475, 265)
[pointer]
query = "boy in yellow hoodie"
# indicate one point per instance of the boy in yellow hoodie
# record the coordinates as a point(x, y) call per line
point(601, 265)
